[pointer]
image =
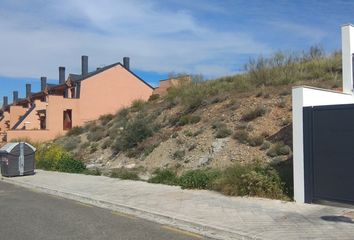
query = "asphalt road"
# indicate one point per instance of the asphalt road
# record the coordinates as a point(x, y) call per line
point(26, 215)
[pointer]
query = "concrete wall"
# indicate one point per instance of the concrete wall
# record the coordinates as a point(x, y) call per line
point(305, 97)
point(3, 126)
point(32, 120)
point(15, 114)
point(347, 52)
point(110, 91)
point(56, 106)
point(33, 135)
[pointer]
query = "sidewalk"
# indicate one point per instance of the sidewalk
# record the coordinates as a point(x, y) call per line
point(204, 212)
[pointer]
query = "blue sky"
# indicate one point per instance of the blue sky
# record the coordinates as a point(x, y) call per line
point(209, 37)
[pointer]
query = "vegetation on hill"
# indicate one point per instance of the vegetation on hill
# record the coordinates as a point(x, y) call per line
point(231, 134)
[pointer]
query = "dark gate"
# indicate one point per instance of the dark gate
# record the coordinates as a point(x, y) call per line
point(329, 153)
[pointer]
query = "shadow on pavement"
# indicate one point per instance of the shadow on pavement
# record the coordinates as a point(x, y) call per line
point(338, 219)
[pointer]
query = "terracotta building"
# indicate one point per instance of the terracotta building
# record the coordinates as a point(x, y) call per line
point(171, 82)
point(75, 100)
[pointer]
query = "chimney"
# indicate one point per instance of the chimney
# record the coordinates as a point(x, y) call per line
point(84, 65)
point(61, 75)
point(5, 101)
point(126, 62)
point(347, 57)
point(15, 97)
point(28, 90)
point(43, 83)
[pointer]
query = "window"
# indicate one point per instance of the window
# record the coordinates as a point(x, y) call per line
point(67, 119)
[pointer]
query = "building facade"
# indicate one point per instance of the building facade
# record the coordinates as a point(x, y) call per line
point(75, 100)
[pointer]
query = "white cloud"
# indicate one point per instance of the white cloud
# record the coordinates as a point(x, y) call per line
point(35, 43)
point(315, 35)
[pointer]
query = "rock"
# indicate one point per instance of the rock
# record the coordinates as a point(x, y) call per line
point(93, 166)
point(205, 161)
point(130, 166)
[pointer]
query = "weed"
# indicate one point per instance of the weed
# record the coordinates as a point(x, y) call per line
point(199, 179)
point(265, 145)
point(96, 133)
point(75, 131)
point(106, 118)
point(135, 132)
point(223, 132)
point(138, 105)
point(255, 140)
point(165, 176)
point(94, 172)
point(179, 154)
point(241, 136)
point(123, 173)
point(106, 144)
point(253, 114)
point(153, 97)
point(282, 103)
point(218, 124)
point(93, 147)
point(252, 180)
point(278, 149)
point(188, 119)
point(55, 158)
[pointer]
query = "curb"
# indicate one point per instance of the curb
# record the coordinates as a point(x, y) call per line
point(183, 224)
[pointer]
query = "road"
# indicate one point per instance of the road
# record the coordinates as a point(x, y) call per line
point(26, 214)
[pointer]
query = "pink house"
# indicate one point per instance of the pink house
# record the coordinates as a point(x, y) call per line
point(74, 101)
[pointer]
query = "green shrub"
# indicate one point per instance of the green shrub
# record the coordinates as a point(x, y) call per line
point(245, 126)
point(106, 118)
point(164, 176)
point(94, 172)
point(179, 154)
point(252, 180)
point(241, 136)
point(279, 149)
point(223, 133)
point(84, 145)
point(150, 148)
point(75, 131)
point(96, 133)
point(55, 158)
point(282, 103)
point(153, 97)
point(68, 164)
point(198, 179)
point(255, 141)
point(123, 173)
point(265, 145)
point(188, 119)
point(122, 113)
point(253, 114)
point(106, 144)
point(218, 124)
point(138, 105)
point(93, 147)
point(135, 132)
point(70, 143)
point(188, 133)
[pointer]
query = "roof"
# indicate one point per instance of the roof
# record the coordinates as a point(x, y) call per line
point(9, 146)
point(81, 78)
point(77, 78)
point(74, 77)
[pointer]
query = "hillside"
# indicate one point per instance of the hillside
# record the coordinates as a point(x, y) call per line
point(213, 124)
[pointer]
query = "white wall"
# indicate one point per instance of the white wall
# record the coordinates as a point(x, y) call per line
point(347, 51)
point(305, 97)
